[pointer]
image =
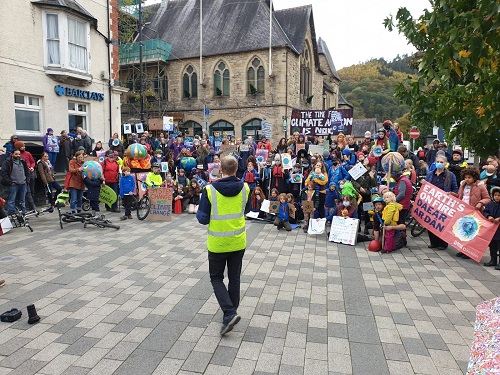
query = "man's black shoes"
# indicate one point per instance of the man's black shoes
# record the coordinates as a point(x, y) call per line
point(228, 327)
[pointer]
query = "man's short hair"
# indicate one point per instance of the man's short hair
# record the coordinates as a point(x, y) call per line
point(229, 165)
point(402, 149)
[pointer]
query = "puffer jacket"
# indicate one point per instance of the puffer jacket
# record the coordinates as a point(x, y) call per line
point(390, 214)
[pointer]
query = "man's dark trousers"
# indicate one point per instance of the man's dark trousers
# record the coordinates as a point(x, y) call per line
point(228, 298)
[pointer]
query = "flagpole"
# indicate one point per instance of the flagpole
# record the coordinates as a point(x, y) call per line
point(270, 35)
point(201, 41)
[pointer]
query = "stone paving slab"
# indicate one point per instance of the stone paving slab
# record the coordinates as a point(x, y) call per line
point(139, 301)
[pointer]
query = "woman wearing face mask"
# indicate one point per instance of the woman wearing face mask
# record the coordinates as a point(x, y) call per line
point(445, 180)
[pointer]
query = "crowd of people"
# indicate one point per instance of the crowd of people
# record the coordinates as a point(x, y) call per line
point(323, 177)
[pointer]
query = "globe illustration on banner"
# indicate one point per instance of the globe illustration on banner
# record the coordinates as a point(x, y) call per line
point(466, 228)
point(92, 169)
point(286, 160)
point(187, 163)
point(137, 151)
point(116, 142)
point(260, 159)
point(394, 160)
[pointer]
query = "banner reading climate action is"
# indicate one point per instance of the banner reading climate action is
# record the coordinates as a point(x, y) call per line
point(333, 121)
point(457, 223)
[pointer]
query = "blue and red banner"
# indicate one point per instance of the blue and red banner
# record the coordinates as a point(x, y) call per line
point(457, 223)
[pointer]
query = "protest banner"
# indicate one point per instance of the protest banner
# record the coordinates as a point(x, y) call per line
point(107, 195)
point(214, 172)
point(454, 221)
point(161, 204)
point(310, 122)
point(344, 230)
point(142, 185)
point(226, 150)
point(357, 171)
point(261, 156)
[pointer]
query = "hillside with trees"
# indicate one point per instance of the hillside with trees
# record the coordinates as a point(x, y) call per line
point(369, 87)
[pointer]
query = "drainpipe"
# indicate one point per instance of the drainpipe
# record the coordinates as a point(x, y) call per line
point(110, 46)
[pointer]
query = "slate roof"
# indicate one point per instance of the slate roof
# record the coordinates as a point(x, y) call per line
point(323, 50)
point(360, 126)
point(229, 26)
point(69, 5)
point(343, 101)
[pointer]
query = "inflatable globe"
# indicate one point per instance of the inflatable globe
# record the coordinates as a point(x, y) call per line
point(187, 163)
point(92, 170)
point(395, 161)
point(137, 151)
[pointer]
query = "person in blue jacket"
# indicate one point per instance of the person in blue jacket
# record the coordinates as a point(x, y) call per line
point(391, 135)
point(337, 173)
point(349, 159)
point(127, 188)
point(283, 216)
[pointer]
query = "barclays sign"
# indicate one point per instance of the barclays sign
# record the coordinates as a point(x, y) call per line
point(76, 93)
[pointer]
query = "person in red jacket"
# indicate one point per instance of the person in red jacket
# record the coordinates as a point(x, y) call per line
point(30, 180)
point(264, 141)
point(403, 192)
point(111, 173)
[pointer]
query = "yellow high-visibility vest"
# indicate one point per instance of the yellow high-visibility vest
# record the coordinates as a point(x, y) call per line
point(226, 229)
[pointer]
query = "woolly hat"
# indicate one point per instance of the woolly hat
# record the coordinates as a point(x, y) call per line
point(346, 151)
point(326, 154)
point(368, 134)
point(49, 130)
point(440, 153)
point(360, 154)
point(457, 151)
point(18, 145)
point(340, 135)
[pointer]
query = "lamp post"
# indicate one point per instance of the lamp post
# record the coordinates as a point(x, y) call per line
point(285, 126)
point(324, 101)
point(141, 78)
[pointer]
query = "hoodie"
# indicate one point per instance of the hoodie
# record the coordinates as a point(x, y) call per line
point(228, 187)
point(390, 214)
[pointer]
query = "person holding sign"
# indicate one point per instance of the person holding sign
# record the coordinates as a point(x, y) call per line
point(320, 180)
point(223, 206)
point(445, 180)
point(283, 217)
point(310, 203)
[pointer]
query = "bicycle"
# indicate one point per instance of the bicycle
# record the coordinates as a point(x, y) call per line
point(19, 219)
point(99, 221)
point(142, 205)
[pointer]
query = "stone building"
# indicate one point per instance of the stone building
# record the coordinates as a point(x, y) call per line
point(233, 80)
point(59, 69)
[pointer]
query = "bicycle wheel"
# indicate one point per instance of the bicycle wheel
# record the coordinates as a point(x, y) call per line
point(103, 223)
point(143, 207)
point(86, 206)
point(417, 229)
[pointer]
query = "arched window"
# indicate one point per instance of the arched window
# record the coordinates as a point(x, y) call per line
point(253, 128)
point(222, 126)
point(255, 78)
point(305, 73)
point(189, 83)
point(193, 127)
point(161, 85)
point(221, 80)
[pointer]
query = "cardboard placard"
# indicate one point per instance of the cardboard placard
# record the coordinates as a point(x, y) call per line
point(299, 146)
point(142, 185)
point(226, 150)
point(244, 147)
point(127, 129)
point(314, 149)
point(296, 178)
point(5, 226)
point(261, 156)
point(161, 204)
point(316, 226)
point(344, 230)
point(368, 206)
point(357, 171)
point(286, 161)
point(291, 211)
point(274, 207)
point(308, 207)
point(164, 167)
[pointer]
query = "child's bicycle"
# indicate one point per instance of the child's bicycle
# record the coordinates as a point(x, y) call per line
point(143, 205)
point(19, 220)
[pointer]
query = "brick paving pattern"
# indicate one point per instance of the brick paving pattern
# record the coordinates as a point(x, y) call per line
point(139, 301)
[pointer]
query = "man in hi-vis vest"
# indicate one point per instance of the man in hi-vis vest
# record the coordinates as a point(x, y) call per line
point(223, 206)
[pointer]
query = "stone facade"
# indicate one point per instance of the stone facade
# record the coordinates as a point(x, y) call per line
point(281, 90)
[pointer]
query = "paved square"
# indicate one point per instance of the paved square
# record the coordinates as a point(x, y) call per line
point(139, 301)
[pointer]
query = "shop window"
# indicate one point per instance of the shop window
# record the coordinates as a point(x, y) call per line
point(28, 110)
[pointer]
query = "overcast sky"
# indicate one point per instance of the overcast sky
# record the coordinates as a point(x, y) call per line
point(353, 29)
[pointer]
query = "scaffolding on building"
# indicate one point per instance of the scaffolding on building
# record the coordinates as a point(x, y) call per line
point(155, 57)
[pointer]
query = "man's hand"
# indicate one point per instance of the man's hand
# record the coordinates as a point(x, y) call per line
point(479, 206)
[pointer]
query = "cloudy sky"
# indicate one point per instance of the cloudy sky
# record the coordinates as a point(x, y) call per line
point(353, 29)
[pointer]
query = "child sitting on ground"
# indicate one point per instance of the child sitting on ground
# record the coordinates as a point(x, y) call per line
point(390, 217)
point(178, 198)
point(127, 187)
point(282, 219)
point(194, 196)
point(257, 198)
point(273, 198)
point(299, 215)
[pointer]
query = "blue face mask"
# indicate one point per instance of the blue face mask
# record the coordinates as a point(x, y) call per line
point(439, 166)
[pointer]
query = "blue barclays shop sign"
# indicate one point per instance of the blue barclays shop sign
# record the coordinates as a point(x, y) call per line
point(76, 93)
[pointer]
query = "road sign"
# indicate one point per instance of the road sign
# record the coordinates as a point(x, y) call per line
point(207, 112)
point(414, 133)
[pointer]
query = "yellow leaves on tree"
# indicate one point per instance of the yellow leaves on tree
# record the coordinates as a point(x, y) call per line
point(455, 66)
point(464, 54)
